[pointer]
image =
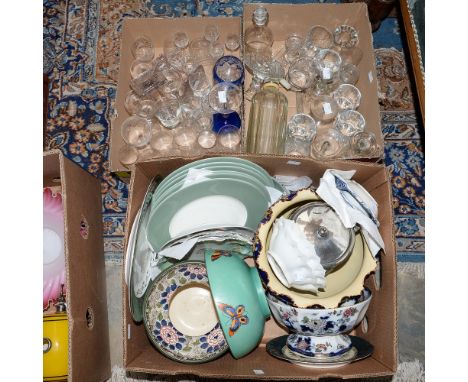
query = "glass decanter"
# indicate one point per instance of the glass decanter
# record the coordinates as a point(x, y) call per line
point(258, 37)
point(267, 130)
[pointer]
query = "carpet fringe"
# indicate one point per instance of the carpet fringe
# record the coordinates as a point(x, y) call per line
point(413, 269)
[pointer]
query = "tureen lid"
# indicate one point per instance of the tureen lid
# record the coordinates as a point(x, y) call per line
point(333, 242)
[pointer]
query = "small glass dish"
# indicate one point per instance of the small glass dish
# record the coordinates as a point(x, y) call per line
point(136, 131)
point(348, 97)
point(350, 122)
point(345, 36)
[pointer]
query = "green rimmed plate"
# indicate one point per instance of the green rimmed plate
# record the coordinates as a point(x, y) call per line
point(210, 204)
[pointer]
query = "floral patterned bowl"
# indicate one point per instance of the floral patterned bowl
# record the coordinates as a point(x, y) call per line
point(320, 332)
point(342, 284)
point(179, 315)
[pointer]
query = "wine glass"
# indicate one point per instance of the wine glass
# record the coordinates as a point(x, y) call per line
point(136, 131)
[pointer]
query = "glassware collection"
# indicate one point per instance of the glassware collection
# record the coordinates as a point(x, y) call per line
point(209, 259)
point(171, 94)
point(193, 79)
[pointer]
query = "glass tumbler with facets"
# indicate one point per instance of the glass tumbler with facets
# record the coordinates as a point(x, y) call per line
point(142, 49)
point(301, 130)
point(136, 131)
point(168, 113)
point(302, 74)
point(348, 97)
point(350, 122)
point(293, 47)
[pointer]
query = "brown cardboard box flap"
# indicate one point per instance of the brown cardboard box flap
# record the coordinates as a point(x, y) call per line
point(89, 357)
point(141, 356)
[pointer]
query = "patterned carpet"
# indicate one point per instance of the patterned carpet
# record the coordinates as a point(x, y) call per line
point(81, 57)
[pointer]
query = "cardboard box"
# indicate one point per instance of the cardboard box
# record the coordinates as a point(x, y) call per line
point(141, 356)
point(88, 333)
point(287, 18)
point(283, 19)
point(158, 29)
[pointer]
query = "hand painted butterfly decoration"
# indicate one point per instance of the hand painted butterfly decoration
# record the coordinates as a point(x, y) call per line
point(237, 316)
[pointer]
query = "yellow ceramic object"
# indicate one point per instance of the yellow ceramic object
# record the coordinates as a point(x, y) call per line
point(55, 347)
point(346, 281)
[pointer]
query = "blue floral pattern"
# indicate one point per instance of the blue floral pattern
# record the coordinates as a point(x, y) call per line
point(159, 327)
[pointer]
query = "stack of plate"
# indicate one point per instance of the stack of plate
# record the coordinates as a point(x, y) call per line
point(210, 193)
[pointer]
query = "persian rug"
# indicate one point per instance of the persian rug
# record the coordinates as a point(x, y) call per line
point(81, 44)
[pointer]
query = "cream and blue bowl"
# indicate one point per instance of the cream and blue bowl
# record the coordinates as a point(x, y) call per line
point(320, 332)
point(239, 298)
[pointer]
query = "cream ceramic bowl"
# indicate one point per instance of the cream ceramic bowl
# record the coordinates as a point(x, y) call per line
point(341, 284)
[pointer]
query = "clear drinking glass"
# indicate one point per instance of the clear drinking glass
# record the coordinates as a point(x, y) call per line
point(132, 102)
point(350, 122)
point(168, 113)
point(138, 68)
point(324, 108)
point(348, 97)
point(293, 47)
point(364, 144)
point(302, 126)
point(345, 36)
point(216, 50)
point(302, 74)
point(229, 137)
point(225, 97)
point(143, 49)
point(232, 42)
point(229, 69)
point(206, 138)
point(174, 86)
point(186, 134)
point(327, 144)
point(162, 139)
point(181, 40)
point(199, 82)
point(147, 108)
point(328, 64)
point(319, 37)
point(136, 131)
point(200, 50)
point(349, 74)
point(211, 33)
point(128, 155)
